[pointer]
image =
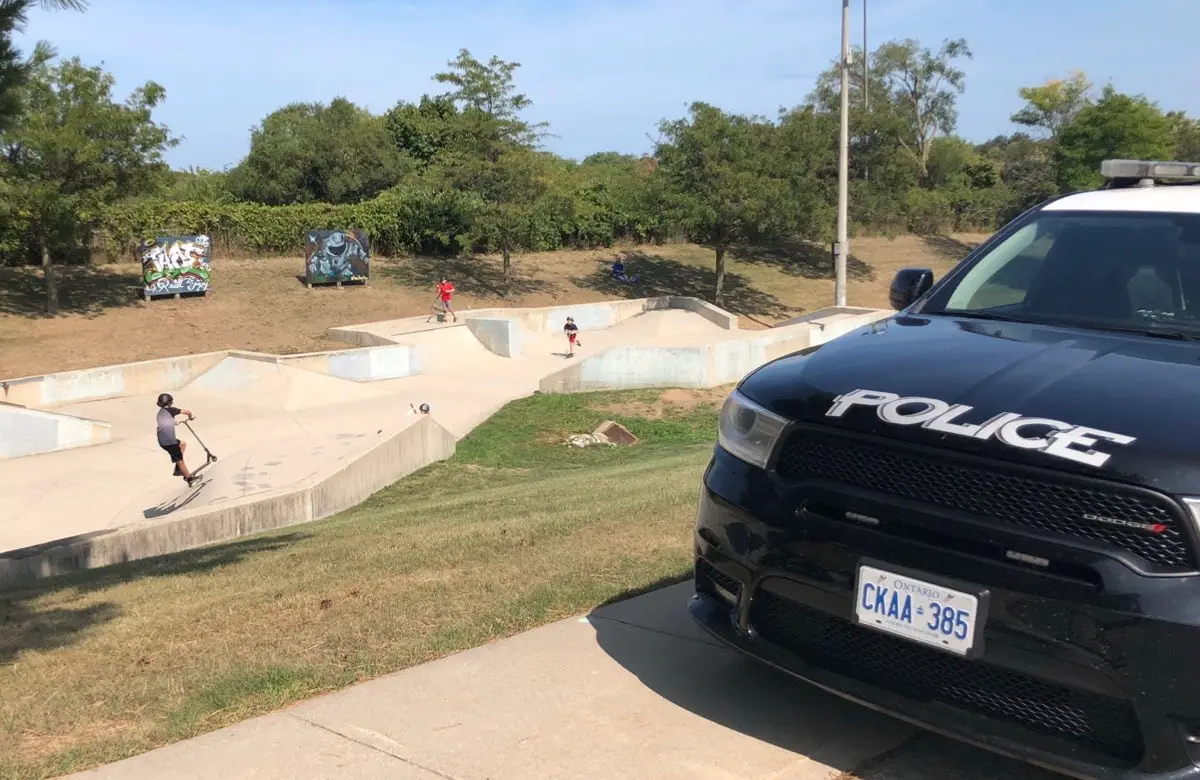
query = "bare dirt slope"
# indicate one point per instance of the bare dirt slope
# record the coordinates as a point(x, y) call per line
point(261, 304)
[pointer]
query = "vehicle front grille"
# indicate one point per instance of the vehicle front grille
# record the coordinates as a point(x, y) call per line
point(1054, 505)
point(1104, 724)
point(706, 573)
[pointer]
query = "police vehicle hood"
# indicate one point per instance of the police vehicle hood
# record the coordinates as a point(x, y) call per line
point(1098, 403)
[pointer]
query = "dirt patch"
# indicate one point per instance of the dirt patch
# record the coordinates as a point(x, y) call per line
point(676, 402)
point(261, 304)
point(691, 400)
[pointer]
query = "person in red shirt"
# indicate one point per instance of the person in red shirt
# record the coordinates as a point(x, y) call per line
point(445, 293)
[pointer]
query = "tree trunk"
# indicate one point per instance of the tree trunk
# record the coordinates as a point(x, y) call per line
point(507, 277)
point(51, 287)
point(720, 288)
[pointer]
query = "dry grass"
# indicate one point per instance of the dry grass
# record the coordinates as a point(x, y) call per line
point(260, 304)
point(507, 535)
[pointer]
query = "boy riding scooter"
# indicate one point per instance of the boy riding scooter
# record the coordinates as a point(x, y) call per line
point(167, 439)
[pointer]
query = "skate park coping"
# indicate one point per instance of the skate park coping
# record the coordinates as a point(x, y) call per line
point(390, 361)
point(708, 365)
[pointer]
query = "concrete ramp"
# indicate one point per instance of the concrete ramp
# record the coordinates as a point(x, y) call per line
point(275, 486)
point(258, 383)
point(33, 432)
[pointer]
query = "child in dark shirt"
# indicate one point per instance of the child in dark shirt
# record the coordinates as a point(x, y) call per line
point(167, 412)
point(572, 331)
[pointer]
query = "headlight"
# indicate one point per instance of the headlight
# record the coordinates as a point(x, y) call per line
point(748, 431)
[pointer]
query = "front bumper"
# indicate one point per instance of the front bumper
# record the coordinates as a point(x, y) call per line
point(1091, 682)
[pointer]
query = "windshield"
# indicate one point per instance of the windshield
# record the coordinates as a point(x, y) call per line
point(1118, 270)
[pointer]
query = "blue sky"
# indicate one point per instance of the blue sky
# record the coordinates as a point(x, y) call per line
point(602, 72)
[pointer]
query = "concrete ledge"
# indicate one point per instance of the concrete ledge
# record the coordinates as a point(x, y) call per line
point(713, 314)
point(92, 384)
point(407, 451)
point(604, 314)
point(501, 336)
point(708, 365)
point(367, 364)
point(548, 319)
point(352, 334)
point(383, 361)
point(836, 314)
point(26, 432)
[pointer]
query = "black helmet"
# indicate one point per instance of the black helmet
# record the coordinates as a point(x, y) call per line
point(424, 408)
point(165, 400)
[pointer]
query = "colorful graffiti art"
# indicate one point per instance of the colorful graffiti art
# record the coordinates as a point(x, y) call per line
point(176, 264)
point(337, 256)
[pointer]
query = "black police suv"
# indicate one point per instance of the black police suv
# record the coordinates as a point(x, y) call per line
point(982, 513)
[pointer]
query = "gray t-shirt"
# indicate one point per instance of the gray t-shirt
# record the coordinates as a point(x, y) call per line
point(166, 425)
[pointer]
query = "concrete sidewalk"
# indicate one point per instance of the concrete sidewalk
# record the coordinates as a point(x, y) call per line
point(633, 690)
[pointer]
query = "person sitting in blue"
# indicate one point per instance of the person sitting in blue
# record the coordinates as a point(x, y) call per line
point(618, 273)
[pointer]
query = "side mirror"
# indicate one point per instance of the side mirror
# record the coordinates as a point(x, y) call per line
point(908, 285)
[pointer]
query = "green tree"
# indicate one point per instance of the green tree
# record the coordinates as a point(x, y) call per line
point(509, 188)
point(424, 131)
point(922, 87)
point(74, 151)
point(198, 185)
point(1027, 167)
point(1054, 104)
point(724, 181)
point(807, 160)
point(490, 103)
point(493, 156)
point(1187, 136)
point(14, 69)
point(876, 131)
point(1115, 126)
point(306, 152)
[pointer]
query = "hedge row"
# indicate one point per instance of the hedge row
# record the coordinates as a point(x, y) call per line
point(438, 222)
point(397, 222)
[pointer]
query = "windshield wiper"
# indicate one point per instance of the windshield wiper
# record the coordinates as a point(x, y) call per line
point(984, 315)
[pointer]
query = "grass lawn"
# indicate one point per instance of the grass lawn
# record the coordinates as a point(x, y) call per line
point(514, 531)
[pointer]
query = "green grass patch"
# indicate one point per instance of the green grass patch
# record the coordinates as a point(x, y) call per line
point(515, 530)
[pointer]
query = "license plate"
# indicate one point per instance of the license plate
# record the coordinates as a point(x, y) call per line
point(919, 610)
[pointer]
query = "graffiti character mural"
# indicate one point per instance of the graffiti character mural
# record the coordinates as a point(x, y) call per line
point(176, 264)
point(337, 256)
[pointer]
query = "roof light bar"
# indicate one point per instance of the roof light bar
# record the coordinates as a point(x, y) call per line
point(1149, 169)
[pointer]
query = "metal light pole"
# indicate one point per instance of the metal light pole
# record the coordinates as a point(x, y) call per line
point(866, 63)
point(843, 241)
point(866, 80)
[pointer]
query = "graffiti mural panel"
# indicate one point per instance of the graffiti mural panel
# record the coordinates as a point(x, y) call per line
point(176, 264)
point(337, 256)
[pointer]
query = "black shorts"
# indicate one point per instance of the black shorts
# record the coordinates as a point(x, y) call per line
point(174, 451)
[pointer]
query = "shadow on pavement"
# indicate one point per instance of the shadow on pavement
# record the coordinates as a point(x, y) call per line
point(27, 625)
point(727, 688)
point(930, 757)
point(175, 504)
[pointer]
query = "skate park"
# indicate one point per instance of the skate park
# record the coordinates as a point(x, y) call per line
point(613, 693)
point(301, 437)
